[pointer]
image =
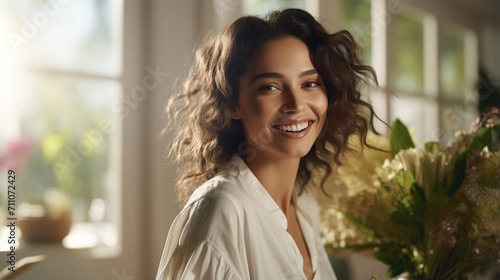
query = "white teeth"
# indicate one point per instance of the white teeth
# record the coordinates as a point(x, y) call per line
point(293, 127)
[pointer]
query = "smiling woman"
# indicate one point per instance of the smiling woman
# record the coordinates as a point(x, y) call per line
point(268, 102)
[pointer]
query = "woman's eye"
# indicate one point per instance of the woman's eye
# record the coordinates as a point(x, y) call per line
point(311, 84)
point(268, 88)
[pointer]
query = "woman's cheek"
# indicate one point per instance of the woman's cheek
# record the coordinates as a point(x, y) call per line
point(320, 103)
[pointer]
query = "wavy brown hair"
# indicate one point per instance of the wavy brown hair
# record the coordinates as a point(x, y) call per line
point(207, 137)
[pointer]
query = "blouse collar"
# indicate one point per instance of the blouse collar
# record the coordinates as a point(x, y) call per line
point(240, 171)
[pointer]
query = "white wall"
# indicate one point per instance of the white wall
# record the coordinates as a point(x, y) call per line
point(171, 32)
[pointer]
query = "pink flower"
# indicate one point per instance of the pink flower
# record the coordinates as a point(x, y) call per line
point(16, 153)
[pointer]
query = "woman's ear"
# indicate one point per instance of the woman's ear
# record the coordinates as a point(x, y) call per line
point(234, 113)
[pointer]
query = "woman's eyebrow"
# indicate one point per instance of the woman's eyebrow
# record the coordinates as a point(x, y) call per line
point(278, 75)
point(308, 72)
point(266, 75)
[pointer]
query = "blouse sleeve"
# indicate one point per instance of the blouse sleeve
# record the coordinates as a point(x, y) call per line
point(205, 262)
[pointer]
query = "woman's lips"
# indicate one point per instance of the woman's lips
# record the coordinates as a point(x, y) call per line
point(295, 130)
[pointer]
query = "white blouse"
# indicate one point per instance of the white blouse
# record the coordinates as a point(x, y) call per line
point(231, 228)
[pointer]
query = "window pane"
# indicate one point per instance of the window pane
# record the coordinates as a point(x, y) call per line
point(410, 111)
point(406, 69)
point(72, 127)
point(355, 17)
point(63, 35)
point(452, 62)
point(455, 117)
point(262, 7)
point(419, 114)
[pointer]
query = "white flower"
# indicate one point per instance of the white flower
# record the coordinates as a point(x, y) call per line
point(428, 168)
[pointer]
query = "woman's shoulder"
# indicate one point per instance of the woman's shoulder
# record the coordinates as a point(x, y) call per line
point(209, 189)
point(230, 187)
point(215, 204)
point(217, 189)
point(219, 196)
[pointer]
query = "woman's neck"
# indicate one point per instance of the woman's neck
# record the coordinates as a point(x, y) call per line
point(278, 176)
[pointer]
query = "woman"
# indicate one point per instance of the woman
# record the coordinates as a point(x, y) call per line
point(267, 103)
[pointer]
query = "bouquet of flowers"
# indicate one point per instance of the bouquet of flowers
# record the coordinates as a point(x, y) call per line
point(433, 213)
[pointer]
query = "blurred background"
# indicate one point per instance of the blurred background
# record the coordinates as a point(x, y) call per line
point(83, 84)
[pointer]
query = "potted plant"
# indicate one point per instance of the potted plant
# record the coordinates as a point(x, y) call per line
point(49, 221)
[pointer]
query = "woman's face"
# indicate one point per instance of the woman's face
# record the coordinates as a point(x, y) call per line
point(282, 102)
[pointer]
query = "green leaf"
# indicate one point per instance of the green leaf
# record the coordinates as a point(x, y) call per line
point(405, 181)
point(395, 256)
point(419, 209)
point(457, 175)
point(420, 204)
point(482, 139)
point(366, 231)
point(400, 138)
point(401, 216)
point(396, 268)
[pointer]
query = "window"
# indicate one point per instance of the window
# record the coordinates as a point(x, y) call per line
point(406, 81)
point(427, 58)
point(406, 70)
point(457, 85)
point(61, 70)
point(355, 16)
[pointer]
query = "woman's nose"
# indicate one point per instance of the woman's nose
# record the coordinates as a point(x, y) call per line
point(293, 102)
